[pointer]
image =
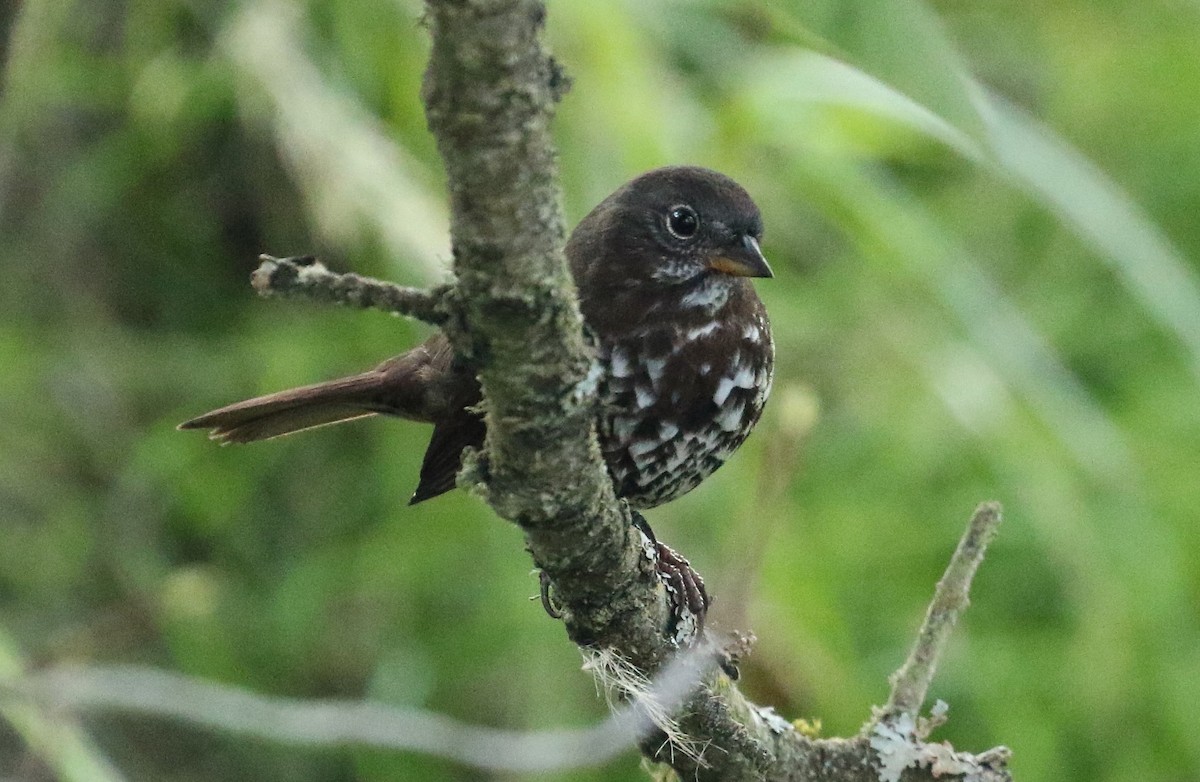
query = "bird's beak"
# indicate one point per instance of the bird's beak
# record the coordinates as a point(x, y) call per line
point(744, 260)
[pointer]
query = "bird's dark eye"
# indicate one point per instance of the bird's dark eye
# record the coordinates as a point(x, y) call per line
point(683, 222)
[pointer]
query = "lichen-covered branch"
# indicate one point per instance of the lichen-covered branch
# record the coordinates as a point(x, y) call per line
point(307, 278)
point(911, 682)
point(755, 743)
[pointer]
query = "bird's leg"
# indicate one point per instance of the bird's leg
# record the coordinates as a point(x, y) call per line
point(685, 587)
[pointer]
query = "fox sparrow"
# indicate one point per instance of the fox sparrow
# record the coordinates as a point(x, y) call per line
point(683, 342)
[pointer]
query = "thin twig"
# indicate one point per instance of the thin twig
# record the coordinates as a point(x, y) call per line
point(308, 278)
point(911, 682)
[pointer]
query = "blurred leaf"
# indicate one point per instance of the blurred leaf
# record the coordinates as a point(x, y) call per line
point(1103, 215)
point(791, 83)
point(903, 35)
point(354, 178)
point(903, 43)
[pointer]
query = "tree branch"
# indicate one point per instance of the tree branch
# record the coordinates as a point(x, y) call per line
point(911, 682)
point(307, 278)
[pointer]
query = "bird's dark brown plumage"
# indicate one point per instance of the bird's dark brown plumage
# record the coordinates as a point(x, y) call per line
point(683, 342)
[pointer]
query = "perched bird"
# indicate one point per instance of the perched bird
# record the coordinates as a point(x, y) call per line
point(683, 342)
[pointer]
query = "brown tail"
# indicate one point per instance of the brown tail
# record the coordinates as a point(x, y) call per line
point(421, 385)
point(294, 410)
point(399, 386)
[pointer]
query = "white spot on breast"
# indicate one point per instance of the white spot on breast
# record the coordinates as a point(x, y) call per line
point(724, 386)
point(743, 379)
point(645, 396)
point(649, 470)
point(710, 294)
point(679, 455)
point(667, 430)
point(639, 451)
point(705, 368)
point(730, 417)
point(702, 331)
point(618, 363)
point(762, 380)
point(707, 439)
point(641, 447)
point(752, 332)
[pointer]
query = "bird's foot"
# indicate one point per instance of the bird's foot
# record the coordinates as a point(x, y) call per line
point(685, 588)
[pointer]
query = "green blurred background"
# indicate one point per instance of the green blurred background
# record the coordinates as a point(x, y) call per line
point(965, 306)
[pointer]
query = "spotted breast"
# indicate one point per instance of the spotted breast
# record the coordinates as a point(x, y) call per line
point(681, 394)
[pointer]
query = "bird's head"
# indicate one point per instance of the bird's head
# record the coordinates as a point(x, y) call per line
point(681, 227)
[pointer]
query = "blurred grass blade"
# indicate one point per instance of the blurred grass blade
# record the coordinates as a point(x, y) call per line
point(1101, 214)
point(927, 83)
point(895, 225)
point(892, 223)
point(352, 174)
point(35, 26)
point(786, 82)
point(56, 739)
point(902, 41)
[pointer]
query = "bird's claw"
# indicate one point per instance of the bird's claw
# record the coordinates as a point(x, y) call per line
point(685, 588)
